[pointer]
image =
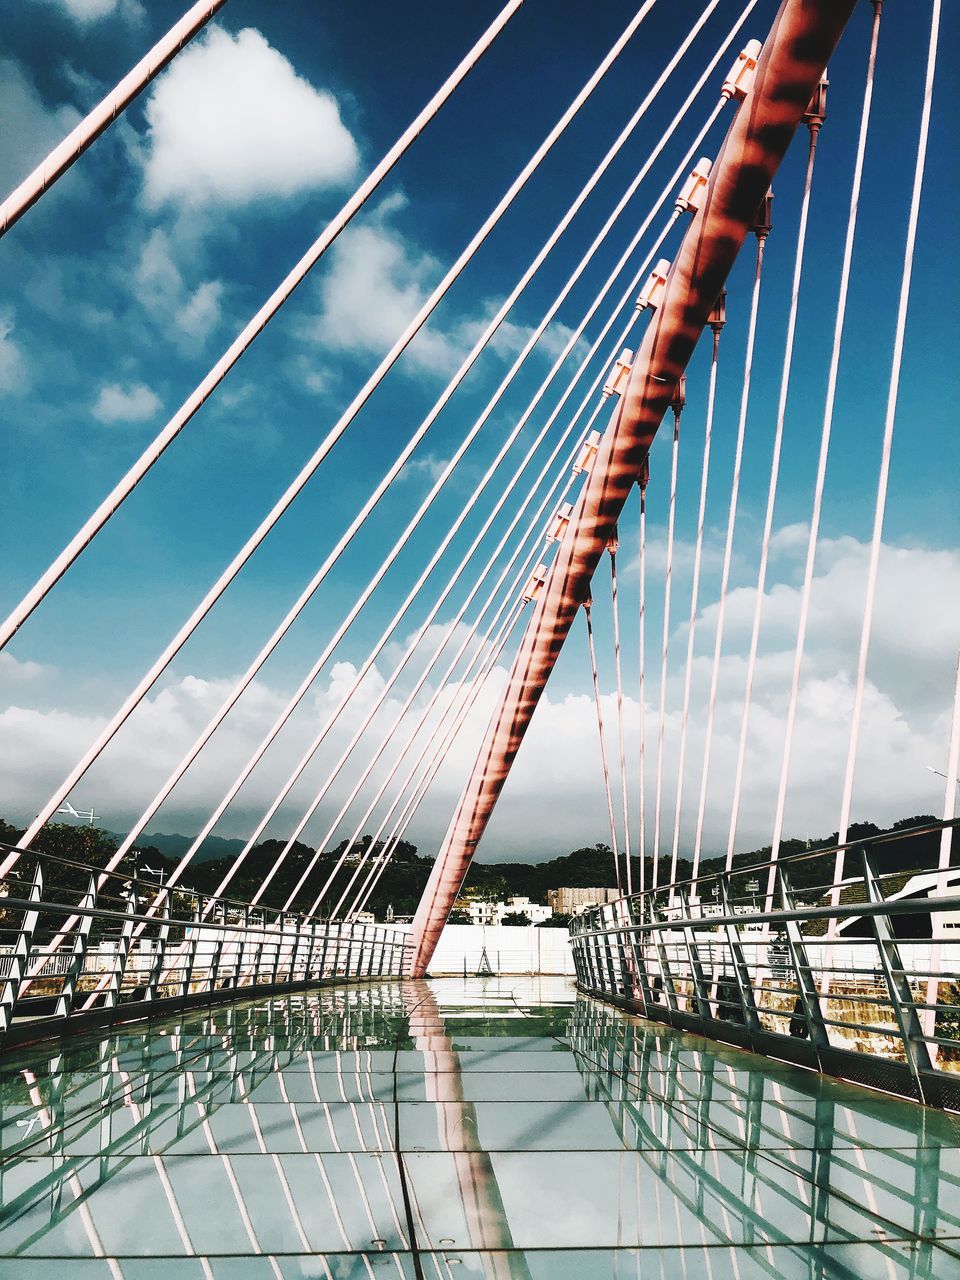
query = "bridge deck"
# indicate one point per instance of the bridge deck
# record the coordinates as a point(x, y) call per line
point(542, 1135)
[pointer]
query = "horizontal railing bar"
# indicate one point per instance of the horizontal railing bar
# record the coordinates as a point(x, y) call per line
point(901, 906)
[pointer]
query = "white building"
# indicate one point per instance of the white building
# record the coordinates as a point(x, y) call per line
point(492, 913)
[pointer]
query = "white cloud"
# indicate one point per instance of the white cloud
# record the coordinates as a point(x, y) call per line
point(375, 282)
point(192, 316)
point(134, 403)
point(553, 800)
point(429, 466)
point(231, 121)
point(14, 376)
point(201, 314)
point(30, 128)
point(13, 671)
point(88, 11)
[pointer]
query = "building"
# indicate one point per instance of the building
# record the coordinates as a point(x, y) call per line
point(570, 902)
point(493, 912)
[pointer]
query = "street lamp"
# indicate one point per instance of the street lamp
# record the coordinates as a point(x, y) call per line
point(931, 769)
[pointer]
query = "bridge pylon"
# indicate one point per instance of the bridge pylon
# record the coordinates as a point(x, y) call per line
point(794, 57)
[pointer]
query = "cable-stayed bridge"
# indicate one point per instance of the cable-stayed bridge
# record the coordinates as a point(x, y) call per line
point(724, 342)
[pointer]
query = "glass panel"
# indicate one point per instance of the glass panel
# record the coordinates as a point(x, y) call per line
point(541, 1135)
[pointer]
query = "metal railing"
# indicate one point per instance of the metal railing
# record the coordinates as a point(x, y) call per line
point(78, 947)
point(858, 978)
point(768, 1155)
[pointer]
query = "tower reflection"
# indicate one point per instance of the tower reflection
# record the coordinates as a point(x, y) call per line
point(497, 1129)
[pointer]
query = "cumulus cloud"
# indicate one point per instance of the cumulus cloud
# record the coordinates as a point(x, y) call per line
point(553, 800)
point(429, 467)
point(89, 11)
point(376, 280)
point(133, 403)
point(163, 291)
point(30, 128)
point(201, 313)
point(230, 121)
point(14, 375)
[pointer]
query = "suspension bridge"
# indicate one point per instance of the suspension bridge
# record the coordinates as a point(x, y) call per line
point(755, 1070)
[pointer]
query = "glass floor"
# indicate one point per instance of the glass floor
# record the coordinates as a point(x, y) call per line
point(496, 1128)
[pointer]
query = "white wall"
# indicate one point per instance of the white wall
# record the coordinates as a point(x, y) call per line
point(510, 949)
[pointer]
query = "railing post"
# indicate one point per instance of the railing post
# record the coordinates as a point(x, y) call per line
point(897, 983)
point(190, 956)
point(807, 989)
point(741, 969)
point(21, 954)
point(697, 980)
point(159, 960)
point(68, 992)
point(240, 948)
point(111, 997)
point(323, 951)
point(666, 977)
point(279, 926)
point(258, 948)
point(295, 947)
point(217, 954)
point(638, 949)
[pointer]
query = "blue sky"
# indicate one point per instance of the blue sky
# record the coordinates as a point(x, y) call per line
point(131, 276)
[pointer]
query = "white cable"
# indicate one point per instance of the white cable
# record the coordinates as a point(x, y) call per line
point(312, 749)
point(518, 579)
point(603, 749)
point(642, 839)
point(280, 632)
point(825, 432)
point(104, 113)
point(771, 501)
point(889, 420)
point(321, 844)
point(462, 687)
point(147, 682)
point(667, 586)
point(694, 606)
point(426, 780)
point(532, 529)
point(258, 322)
point(728, 555)
point(621, 741)
point(294, 489)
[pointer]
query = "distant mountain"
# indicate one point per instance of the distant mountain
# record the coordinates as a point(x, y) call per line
point(174, 846)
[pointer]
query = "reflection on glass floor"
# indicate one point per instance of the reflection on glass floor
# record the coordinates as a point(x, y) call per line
point(542, 1135)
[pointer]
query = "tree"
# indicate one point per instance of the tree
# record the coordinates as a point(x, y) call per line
point(557, 921)
point(515, 917)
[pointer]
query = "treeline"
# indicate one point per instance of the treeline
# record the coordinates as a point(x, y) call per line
point(402, 881)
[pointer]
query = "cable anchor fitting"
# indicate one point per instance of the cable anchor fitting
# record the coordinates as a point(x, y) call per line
point(690, 196)
point(717, 319)
point(739, 81)
point(678, 402)
point(616, 383)
point(588, 451)
point(534, 584)
point(816, 112)
point(763, 220)
point(652, 292)
point(559, 522)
